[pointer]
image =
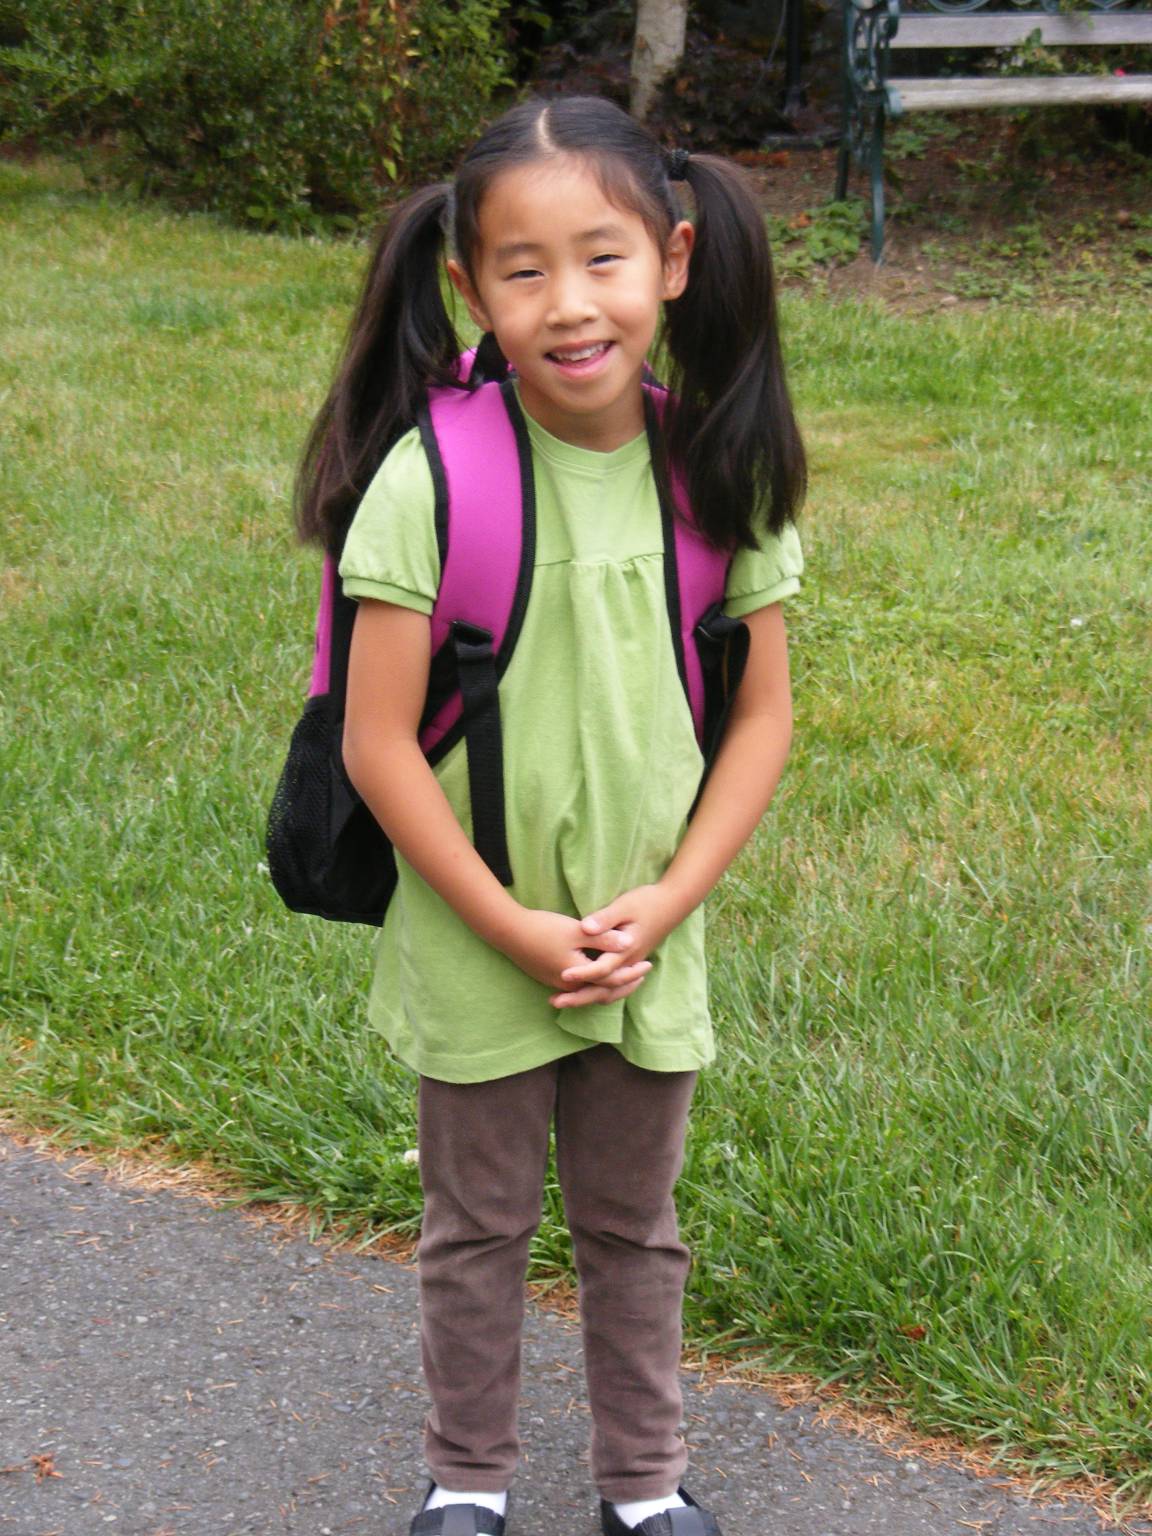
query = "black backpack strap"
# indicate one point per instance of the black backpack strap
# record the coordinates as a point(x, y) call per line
point(343, 618)
point(476, 667)
point(722, 644)
point(465, 659)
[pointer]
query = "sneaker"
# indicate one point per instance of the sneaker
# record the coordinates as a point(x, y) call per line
point(692, 1521)
point(457, 1519)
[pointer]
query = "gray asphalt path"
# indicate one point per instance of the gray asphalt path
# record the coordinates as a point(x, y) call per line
point(171, 1369)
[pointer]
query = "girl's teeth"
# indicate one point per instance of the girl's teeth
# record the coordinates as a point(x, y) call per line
point(579, 357)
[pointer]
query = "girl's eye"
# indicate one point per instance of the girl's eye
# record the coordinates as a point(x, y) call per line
point(607, 256)
point(524, 272)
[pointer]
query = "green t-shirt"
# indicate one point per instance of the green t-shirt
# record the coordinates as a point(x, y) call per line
point(601, 765)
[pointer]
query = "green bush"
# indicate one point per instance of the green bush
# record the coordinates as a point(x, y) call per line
point(293, 113)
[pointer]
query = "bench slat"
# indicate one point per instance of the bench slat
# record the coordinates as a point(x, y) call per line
point(869, 51)
point(1000, 29)
point(928, 95)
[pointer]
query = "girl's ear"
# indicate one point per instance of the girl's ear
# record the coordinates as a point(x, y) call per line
point(677, 255)
point(464, 287)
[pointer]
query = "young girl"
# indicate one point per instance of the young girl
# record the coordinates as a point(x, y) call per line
point(576, 994)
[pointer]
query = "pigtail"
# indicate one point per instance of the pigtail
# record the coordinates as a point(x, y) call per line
point(400, 340)
point(731, 427)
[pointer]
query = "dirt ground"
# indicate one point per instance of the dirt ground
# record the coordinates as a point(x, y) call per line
point(990, 208)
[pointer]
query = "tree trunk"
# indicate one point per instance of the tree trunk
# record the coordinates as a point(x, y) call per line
point(658, 48)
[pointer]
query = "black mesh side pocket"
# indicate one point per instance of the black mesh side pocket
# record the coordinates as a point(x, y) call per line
point(327, 854)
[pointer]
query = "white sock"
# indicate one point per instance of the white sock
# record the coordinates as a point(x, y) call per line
point(633, 1513)
point(439, 1496)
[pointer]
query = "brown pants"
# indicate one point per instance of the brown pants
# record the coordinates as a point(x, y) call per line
point(483, 1156)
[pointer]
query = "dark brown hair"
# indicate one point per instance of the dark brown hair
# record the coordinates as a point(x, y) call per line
point(729, 424)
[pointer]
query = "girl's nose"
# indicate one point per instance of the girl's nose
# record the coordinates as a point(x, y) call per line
point(572, 303)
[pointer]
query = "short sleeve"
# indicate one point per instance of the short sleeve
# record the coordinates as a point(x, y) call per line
point(391, 552)
point(761, 576)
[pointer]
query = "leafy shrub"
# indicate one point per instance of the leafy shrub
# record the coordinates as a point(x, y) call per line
point(293, 113)
point(720, 97)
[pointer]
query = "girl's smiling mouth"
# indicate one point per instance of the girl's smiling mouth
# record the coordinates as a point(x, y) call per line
point(578, 362)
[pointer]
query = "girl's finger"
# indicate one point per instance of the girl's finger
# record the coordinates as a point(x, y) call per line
point(613, 942)
point(594, 970)
point(584, 995)
point(627, 973)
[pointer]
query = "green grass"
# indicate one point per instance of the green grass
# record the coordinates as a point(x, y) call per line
point(921, 1163)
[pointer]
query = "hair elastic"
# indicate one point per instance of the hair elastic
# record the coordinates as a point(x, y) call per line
point(676, 163)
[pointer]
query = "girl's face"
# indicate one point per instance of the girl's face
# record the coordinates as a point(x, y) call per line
point(572, 285)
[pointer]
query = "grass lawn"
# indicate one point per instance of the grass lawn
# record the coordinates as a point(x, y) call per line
point(922, 1162)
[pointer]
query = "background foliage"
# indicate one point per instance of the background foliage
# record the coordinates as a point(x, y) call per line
point(288, 113)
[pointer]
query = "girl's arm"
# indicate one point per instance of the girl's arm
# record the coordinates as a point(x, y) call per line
point(387, 683)
point(746, 769)
point(744, 775)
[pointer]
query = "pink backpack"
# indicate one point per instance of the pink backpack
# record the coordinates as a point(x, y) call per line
point(327, 855)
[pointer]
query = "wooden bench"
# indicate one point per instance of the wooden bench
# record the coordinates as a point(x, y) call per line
point(873, 29)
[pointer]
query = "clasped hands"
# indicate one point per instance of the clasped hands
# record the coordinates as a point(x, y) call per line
point(554, 948)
